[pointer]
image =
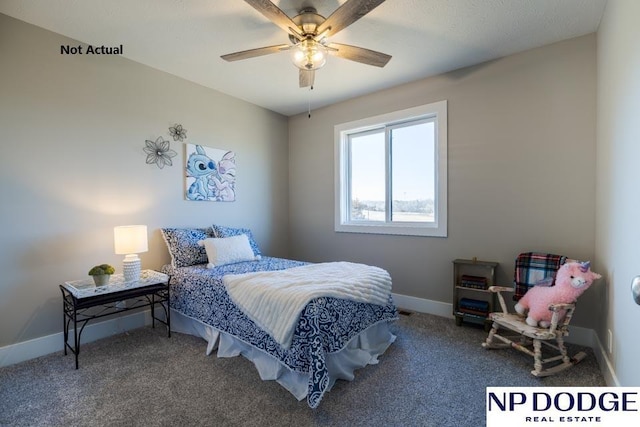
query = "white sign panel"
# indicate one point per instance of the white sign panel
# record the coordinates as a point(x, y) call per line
point(562, 406)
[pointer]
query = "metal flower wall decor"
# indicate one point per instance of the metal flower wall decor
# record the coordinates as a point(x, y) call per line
point(159, 151)
point(178, 133)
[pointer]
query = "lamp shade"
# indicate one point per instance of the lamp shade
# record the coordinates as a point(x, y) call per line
point(130, 239)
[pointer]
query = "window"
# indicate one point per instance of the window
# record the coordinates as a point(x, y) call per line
point(391, 173)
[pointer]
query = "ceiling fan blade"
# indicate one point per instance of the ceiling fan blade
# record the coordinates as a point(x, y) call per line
point(307, 77)
point(252, 53)
point(275, 15)
point(359, 54)
point(347, 14)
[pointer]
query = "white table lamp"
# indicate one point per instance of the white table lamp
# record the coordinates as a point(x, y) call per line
point(130, 240)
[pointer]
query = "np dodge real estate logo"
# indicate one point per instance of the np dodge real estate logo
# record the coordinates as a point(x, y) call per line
point(561, 406)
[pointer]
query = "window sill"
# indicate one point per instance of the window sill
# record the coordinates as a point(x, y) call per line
point(400, 230)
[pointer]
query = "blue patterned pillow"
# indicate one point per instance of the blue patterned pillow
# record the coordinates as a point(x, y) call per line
point(222, 231)
point(183, 245)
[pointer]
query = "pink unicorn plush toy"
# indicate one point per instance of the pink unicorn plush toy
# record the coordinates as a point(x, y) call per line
point(572, 279)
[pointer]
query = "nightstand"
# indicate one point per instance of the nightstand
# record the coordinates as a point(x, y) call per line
point(83, 301)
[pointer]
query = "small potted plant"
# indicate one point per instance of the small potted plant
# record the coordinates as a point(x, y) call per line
point(101, 274)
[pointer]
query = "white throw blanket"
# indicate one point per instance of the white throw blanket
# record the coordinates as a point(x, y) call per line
point(275, 299)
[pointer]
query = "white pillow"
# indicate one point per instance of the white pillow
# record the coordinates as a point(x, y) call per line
point(228, 250)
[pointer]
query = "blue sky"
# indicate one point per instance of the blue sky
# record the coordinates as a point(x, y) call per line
point(412, 163)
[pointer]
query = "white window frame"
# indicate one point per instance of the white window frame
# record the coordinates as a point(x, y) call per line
point(436, 111)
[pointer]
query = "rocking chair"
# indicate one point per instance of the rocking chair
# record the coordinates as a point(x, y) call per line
point(531, 268)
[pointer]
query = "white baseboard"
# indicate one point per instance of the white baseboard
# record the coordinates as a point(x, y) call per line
point(581, 336)
point(37, 347)
point(422, 305)
point(605, 364)
point(578, 335)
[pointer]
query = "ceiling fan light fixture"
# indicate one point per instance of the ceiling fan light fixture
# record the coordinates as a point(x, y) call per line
point(309, 32)
point(309, 55)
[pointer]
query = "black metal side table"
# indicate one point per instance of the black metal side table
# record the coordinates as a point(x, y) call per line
point(83, 301)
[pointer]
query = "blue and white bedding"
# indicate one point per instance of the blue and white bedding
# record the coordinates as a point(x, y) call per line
point(275, 299)
point(326, 326)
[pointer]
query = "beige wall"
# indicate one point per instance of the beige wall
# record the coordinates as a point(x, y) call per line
point(521, 170)
point(72, 168)
point(618, 190)
point(522, 174)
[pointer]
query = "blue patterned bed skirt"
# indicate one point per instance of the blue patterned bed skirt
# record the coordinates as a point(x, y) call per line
point(326, 325)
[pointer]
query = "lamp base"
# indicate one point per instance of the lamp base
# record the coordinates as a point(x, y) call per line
point(131, 268)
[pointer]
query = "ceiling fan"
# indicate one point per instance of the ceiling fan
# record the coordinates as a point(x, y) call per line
point(309, 35)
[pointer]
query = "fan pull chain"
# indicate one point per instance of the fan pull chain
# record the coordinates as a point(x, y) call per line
point(309, 101)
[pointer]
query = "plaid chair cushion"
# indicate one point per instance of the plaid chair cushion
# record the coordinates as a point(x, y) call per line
point(533, 267)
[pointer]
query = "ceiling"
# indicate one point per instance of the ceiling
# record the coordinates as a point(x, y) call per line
point(425, 37)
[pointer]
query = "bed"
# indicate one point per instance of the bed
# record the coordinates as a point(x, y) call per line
point(330, 337)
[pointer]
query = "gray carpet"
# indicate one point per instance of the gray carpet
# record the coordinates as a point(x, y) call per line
point(435, 374)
